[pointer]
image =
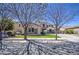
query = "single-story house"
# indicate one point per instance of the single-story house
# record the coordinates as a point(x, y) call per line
point(33, 28)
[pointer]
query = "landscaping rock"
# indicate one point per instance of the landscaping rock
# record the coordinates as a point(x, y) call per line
point(64, 48)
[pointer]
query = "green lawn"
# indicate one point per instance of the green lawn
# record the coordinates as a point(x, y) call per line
point(38, 36)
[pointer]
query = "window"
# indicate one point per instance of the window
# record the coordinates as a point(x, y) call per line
point(29, 29)
point(43, 25)
point(19, 25)
point(51, 25)
point(32, 29)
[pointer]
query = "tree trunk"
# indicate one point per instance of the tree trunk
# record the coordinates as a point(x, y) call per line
point(56, 32)
point(56, 35)
point(1, 40)
point(0, 36)
point(25, 33)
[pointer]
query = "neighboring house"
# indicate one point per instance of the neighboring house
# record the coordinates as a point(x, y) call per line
point(34, 28)
point(75, 28)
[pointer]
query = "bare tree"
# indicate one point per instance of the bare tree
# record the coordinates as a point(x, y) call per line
point(59, 16)
point(26, 13)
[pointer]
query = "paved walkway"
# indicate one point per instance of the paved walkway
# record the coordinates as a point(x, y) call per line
point(43, 40)
point(69, 37)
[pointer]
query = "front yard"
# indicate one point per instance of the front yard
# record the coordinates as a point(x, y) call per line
point(38, 36)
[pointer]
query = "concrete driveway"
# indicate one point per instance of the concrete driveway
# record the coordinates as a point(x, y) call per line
point(69, 37)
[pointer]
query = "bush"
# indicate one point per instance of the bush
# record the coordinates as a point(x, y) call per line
point(10, 34)
point(69, 31)
point(43, 32)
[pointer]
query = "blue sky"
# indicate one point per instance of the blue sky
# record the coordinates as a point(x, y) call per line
point(75, 21)
point(72, 6)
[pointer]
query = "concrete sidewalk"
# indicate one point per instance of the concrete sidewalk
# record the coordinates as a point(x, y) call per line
point(32, 38)
point(43, 40)
point(69, 37)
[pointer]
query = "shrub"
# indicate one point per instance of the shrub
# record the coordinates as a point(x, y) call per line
point(43, 32)
point(10, 34)
point(69, 31)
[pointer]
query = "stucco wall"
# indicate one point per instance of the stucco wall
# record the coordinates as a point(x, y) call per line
point(18, 27)
point(76, 30)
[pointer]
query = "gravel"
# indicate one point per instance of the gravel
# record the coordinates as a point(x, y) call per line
point(19, 48)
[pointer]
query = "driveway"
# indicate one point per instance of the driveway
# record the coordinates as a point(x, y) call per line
point(69, 37)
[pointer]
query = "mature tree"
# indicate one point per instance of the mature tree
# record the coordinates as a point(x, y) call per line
point(59, 16)
point(3, 15)
point(7, 24)
point(26, 13)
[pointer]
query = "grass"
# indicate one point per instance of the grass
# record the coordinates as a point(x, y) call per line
point(38, 36)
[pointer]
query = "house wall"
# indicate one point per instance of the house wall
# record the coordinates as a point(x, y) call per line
point(50, 30)
point(36, 30)
point(18, 27)
point(76, 30)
